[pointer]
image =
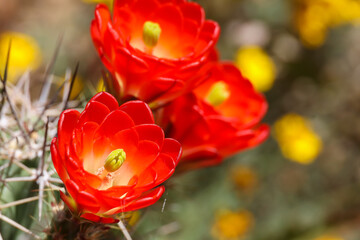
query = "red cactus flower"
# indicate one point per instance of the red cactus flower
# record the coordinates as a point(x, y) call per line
point(112, 159)
point(155, 49)
point(219, 119)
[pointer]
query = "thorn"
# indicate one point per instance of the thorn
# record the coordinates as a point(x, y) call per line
point(42, 160)
point(163, 206)
point(18, 226)
point(6, 174)
point(168, 228)
point(15, 203)
point(20, 179)
point(55, 180)
point(7, 64)
point(23, 167)
point(50, 66)
point(71, 85)
point(12, 108)
point(45, 90)
point(124, 230)
point(41, 182)
point(47, 105)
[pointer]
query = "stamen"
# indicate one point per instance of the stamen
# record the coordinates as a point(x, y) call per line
point(115, 159)
point(151, 35)
point(218, 94)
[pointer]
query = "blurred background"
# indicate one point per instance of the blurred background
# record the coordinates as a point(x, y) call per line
point(304, 55)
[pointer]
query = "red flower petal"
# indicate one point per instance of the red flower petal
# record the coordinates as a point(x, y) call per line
point(133, 63)
point(173, 1)
point(136, 70)
point(146, 154)
point(161, 86)
point(120, 3)
point(151, 132)
point(87, 140)
point(114, 122)
point(170, 19)
point(128, 140)
point(94, 112)
point(88, 201)
point(209, 133)
point(91, 217)
point(165, 167)
point(138, 111)
point(117, 191)
point(57, 160)
point(203, 156)
point(172, 148)
point(69, 201)
point(107, 99)
point(146, 180)
point(194, 12)
point(146, 200)
point(101, 149)
point(102, 16)
point(145, 8)
point(72, 188)
point(66, 125)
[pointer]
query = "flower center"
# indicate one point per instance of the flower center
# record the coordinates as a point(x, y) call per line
point(115, 159)
point(151, 35)
point(218, 94)
point(112, 163)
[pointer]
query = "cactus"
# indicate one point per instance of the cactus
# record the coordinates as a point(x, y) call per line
point(26, 171)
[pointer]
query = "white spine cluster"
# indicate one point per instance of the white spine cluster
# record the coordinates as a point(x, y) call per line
point(26, 129)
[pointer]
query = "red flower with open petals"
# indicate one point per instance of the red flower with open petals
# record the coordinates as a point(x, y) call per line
point(112, 159)
point(221, 117)
point(155, 49)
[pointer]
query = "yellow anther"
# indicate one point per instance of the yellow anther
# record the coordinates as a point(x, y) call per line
point(115, 159)
point(151, 34)
point(218, 94)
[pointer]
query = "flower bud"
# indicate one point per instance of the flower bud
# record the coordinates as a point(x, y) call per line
point(115, 159)
point(218, 94)
point(151, 34)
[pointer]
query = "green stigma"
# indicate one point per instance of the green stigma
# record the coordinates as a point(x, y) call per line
point(115, 159)
point(151, 34)
point(218, 94)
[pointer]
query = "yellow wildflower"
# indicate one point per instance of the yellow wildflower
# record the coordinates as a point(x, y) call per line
point(109, 3)
point(25, 54)
point(77, 88)
point(257, 66)
point(231, 225)
point(297, 141)
point(244, 178)
point(313, 18)
point(100, 87)
point(134, 219)
point(328, 238)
